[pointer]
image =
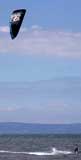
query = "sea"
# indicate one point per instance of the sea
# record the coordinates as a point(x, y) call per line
point(39, 147)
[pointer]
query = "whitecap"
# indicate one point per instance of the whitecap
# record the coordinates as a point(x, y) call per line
point(54, 151)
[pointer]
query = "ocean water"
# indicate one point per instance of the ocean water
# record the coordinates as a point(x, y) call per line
point(39, 147)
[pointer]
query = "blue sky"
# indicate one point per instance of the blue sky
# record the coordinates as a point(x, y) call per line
point(40, 70)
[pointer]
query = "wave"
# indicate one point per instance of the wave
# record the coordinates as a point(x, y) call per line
point(53, 152)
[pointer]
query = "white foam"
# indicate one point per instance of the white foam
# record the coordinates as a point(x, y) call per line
point(53, 152)
point(60, 151)
point(12, 152)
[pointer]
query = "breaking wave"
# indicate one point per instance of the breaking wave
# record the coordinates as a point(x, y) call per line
point(53, 152)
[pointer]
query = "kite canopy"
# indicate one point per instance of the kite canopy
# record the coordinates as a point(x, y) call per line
point(16, 19)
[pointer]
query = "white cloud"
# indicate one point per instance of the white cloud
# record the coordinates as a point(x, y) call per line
point(36, 27)
point(4, 29)
point(37, 41)
point(10, 108)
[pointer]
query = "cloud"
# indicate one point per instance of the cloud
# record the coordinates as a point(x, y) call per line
point(4, 29)
point(10, 108)
point(36, 27)
point(38, 41)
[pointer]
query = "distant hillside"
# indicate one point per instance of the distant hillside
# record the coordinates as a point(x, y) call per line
point(24, 128)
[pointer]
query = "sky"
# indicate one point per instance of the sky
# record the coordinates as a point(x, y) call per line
point(40, 70)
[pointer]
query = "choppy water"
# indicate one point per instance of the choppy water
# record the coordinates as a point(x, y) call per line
point(39, 147)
